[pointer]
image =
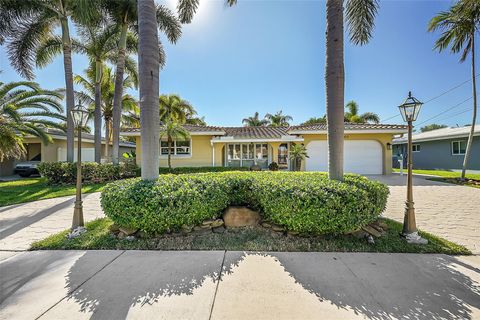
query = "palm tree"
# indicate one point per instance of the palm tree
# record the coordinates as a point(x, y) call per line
point(124, 14)
point(24, 23)
point(353, 116)
point(314, 120)
point(26, 109)
point(172, 107)
point(298, 153)
point(255, 121)
point(459, 26)
point(278, 119)
point(360, 16)
point(172, 130)
point(88, 96)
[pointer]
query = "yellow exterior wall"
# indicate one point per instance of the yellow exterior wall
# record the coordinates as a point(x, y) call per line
point(201, 154)
point(382, 138)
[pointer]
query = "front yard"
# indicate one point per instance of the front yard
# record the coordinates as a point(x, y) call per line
point(472, 179)
point(26, 190)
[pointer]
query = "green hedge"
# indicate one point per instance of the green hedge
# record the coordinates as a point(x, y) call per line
point(184, 170)
point(304, 202)
point(92, 172)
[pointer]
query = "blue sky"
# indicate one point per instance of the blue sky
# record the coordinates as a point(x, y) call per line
point(270, 55)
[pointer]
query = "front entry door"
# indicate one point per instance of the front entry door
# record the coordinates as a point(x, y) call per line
point(283, 156)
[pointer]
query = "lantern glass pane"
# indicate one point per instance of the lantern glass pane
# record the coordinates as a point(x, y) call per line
point(417, 111)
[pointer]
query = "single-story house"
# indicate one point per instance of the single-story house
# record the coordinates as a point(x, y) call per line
point(439, 149)
point(367, 146)
point(57, 150)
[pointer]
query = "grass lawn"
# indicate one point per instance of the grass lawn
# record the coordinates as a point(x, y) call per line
point(26, 190)
point(450, 177)
point(248, 239)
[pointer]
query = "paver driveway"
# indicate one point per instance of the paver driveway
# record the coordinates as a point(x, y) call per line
point(447, 210)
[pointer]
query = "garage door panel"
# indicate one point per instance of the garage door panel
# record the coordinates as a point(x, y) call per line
point(360, 156)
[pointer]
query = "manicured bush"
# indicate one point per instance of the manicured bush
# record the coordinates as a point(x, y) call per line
point(92, 172)
point(304, 202)
point(184, 170)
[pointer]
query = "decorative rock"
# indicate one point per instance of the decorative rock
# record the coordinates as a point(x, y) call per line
point(208, 222)
point(240, 217)
point(293, 233)
point(382, 224)
point(376, 227)
point(197, 228)
point(130, 238)
point(127, 231)
point(114, 228)
point(121, 235)
point(370, 239)
point(371, 231)
point(277, 228)
point(217, 223)
point(266, 225)
point(359, 234)
point(76, 232)
point(220, 229)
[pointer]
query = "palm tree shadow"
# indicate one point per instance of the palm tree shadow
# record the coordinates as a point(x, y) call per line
point(413, 286)
point(142, 278)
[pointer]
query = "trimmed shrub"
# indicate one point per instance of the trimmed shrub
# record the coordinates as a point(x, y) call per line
point(304, 202)
point(92, 172)
point(184, 170)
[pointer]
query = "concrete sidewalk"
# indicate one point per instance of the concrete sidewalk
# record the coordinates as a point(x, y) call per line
point(237, 285)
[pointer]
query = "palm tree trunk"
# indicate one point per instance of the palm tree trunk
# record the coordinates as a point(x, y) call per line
point(169, 153)
point(107, 138)
point(70, 101)
point(148, 69)
point(118, 93)
point(474, 117)
point(334, 84)
point(98, 112)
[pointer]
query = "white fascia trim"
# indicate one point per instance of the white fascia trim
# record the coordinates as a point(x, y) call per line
point(457, 136)
point(232, 139)
point(88, 140)
point(196, 133)
point(349, 131)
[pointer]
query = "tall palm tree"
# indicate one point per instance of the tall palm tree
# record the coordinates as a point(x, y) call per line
point(129, 105)
point(353, 116)
point(458, 26)
point(124, 13)
point(255, 121)
point(172, 130)
point(174, 107)
point(26, 109)
point(360, 16)
point(24, 23)
point(278, 119)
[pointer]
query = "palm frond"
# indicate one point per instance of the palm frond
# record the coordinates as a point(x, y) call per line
point(169, 23)
point(360, 16)
point(186, 10)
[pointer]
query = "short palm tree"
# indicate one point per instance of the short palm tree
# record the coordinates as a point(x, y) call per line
point(129, 104)
point(24, 23)
point(278, 119)
point(26, 109)
point(255, 121)
point(297, 154)
point(353, 116)
point(360, 18)
point(172, 130)
point(125, 14)
point(459, 26)
point(315, 120)
point(172, 107)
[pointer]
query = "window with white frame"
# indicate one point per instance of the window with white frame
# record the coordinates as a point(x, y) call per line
point(459, 147)
point(416, 148)
point(178, 148)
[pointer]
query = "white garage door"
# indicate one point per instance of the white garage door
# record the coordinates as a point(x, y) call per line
point(88, 154)
point(360, 156)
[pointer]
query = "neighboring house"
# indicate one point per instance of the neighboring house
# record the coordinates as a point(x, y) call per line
point(439, 149)
point(57, 150)
point(367, 147)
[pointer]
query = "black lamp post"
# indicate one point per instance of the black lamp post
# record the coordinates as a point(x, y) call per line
point(409, 110)
point(80, 117)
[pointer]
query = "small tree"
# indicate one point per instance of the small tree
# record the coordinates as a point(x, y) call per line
point(172, 131)
point(298, 153)
point(432, 127)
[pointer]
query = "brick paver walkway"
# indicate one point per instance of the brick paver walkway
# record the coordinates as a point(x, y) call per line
point(449, 211)
point(22, 224)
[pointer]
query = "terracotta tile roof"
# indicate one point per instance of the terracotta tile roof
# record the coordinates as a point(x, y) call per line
point(350, 126)
point(256, 132)
point(188, 127)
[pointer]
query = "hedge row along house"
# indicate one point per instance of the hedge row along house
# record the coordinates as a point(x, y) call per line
point(368, 147)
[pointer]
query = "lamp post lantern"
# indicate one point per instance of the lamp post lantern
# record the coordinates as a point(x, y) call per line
point(409, 110)
point(80, 117)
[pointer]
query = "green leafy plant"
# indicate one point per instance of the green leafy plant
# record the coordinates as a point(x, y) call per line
point(273, 166)
point(304, 202)
point(298, 153)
